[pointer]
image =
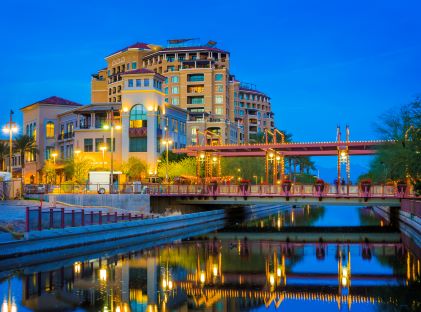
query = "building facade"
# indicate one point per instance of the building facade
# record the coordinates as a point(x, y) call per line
point(197, 79)
point(105, 132)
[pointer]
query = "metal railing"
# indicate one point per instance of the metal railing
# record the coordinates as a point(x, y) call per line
point(38, 218)
point(327, 190)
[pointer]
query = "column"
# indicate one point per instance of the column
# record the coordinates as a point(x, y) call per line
point(152, 154)
point(125, 139)
point(92, 120)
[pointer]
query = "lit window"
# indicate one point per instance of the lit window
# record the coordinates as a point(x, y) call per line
point(49, 130)
point(174, 90)
point(219, 99)
point(175, 101)
point(138, 116)
point(219, 111)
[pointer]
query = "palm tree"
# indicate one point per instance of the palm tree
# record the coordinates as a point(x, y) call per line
point(4, 151)
point(23, 144)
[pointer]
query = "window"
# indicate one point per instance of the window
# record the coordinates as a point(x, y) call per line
point(195, 100)
point(166, 90)
point(195, 89)
point(48, 151)
point(174, 79)
point(128, 66)
point(220, 88)
point(219, 77)
point(174, 90)
point(219, 111)
point(49, 130)
point(170, 68)
point(195, 77)
point(138, 145)
point(98, 144)
point(166, 79)
point(219, 99)
point(134, 65)
point(138, 83)
point(175, 101)
point(130, 83)
point(109, 144)
point(146, 82)
point(88, 145)
point(138, 116)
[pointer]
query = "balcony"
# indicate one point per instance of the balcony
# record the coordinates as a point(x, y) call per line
point(65, 136)
point(141, 132)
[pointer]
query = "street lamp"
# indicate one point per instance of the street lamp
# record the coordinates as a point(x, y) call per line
point(103, 149)
point(54, 155)
point(111, 126)
point(10, 128)
point(167, 144)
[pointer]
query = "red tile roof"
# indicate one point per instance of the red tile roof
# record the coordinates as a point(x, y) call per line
point(142, 71)
point(251, 91)
point(54, 100)
point(137, 45)
point(195, 48)
point(139, 71)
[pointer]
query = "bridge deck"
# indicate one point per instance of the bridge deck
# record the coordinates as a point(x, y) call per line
point(300, 194)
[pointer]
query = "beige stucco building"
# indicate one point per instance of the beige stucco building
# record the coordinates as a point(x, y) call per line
point(64, 129)
point(197, 79)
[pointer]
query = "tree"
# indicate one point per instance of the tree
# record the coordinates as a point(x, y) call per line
point(77, 169)
point(24, 144)
point(49, 171)
point(401, 158)
point(134, 168)
point(184, 167)
point(4, 152)
point(172, 156)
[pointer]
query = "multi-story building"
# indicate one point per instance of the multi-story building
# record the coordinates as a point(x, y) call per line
point(136, 126)
point(198, 79)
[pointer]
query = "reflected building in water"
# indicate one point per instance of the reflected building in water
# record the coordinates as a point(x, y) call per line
point(234, 275)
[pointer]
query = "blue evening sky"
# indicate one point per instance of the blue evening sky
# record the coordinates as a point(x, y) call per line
point(322, 62)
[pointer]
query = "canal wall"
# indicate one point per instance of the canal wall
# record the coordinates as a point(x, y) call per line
point(139, 203)
point(408, 217)
point(50, 245)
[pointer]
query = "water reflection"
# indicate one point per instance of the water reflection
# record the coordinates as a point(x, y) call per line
point(232, 274)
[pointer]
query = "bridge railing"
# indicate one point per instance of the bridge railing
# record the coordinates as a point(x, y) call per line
point(223, 190)
point(276, 190)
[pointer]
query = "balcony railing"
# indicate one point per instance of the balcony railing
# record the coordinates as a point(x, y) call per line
point(65, 136)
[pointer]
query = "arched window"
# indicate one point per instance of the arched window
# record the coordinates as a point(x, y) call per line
point(49, 129)
point(138, 116)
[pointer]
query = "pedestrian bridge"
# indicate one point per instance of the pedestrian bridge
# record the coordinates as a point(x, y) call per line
point(264, 194)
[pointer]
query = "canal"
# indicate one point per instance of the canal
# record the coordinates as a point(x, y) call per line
point(299, 259)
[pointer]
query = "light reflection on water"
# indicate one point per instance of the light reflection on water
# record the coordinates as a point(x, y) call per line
point(229, 275)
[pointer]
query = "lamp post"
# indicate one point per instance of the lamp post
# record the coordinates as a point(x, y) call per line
point(54, 155)
point(10, 128)
point(103, 149)
point(111, 127)
point(166, 142)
